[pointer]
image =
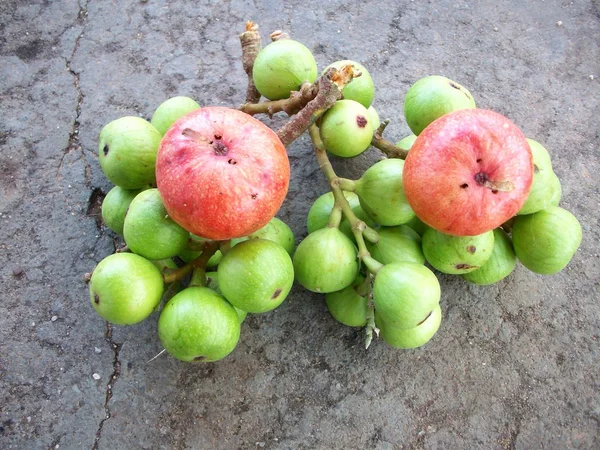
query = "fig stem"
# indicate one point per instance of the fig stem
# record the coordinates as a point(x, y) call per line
point(298, 100)
point(387, 147)
point(347, 184)
point(251, 46)
point(370, 325)
point(225, 246)
point(335, 217)
point(123, 249)
point(372, 264)
point(209, 250)
point(198, 277)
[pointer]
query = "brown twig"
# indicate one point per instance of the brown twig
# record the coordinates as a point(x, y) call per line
point(251, 46)
point(209, 250)
point(387, 147)
point(298, 100)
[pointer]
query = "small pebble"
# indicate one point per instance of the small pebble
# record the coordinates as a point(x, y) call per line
point(96, 376)
point(28, 419)
point(591, 77)
point(495, 28)
point(17, 271)
point(559, 23)
point(54, 318)
point(97, 350)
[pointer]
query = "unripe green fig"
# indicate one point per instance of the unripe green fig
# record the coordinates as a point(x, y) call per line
point(406, 142)
point(457, 254)
point(405, 293)
point(212, 282)
point(543, 189)
point(350, 305)
point(125, 288)
point(149, 231)
point(198, 324)
point(188, 254)
point(276, 231)
point(381, 193)
point(346, 129)
point(546, 241)
point(397, 244)
point(556, 191)
point(432, 97)
point(412, 337)
point(127, 151)
point(375, 122)
point(171, 110)
point(256, 275)
point(418, 225)
point(326, 261)
point(499, 265)
point(360, 89)
point(281, 67)
point(114, 207)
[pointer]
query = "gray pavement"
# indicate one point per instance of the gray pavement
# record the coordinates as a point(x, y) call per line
point(514, 366)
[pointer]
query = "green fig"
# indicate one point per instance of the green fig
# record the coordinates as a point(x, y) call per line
point(171, 110)
point(381, 193)
point(556, 191)
point(397, 244)
point(350, 305)
point(546, 241)
point(412, 337)
point(188, 254)
point(544, 186)
point(125, 288)
point(418, 225)
point(457, 254)
point(256, 275)
point(149, 231)
point(198, 324)
point(360, 89)
point(114, 207)
point(127, 151)
point(375, 122)
point(406, 142)
point(281, 67)
point(326, 261)
point(405, 293)
point(432, 97)
point(499, 265)
point(346, 129)
point(276, 231)
point(212, 282)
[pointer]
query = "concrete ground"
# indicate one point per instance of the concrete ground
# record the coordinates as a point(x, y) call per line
point(514, 365)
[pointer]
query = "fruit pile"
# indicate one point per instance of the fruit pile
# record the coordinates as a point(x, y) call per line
point(197, 190)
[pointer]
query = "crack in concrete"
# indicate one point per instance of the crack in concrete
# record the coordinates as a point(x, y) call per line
point(116, 348)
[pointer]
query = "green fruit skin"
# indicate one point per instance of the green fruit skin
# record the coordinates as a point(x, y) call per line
point(405, 293)
point(556, 192)
point(188, 255)
point(546, 241)
point(149, 231)
point(412, 337)
point(198, 324)
point(171, 110)
point(256, 275)
point(281, 67)
point(457, 254)
point(499, 266)
point(212, 282)
point(432, 97)
point(381, 193)
point(127, 151)
point(407, 142)
point(125, 288)
point(397, 244)
point(346, 129)
point(418, 225)
point(361, 89)
point(375, 122)
point(326, 261)
point(348, 306)
point(544, 186)
point(276, 231)
point(114, 207)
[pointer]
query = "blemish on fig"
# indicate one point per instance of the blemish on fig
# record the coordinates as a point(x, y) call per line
point(96, 299)
point(464, 186)
point(105, 150)
point(276, 294)
point(471, 249)
point(218, 136)
point(208, 280)
point(464, 266)
point(231, 161)
point(494, 191)
point(428, 315)
point(220, 149)
point(479, 160)
point(254, 196)
point(536, 169)
point(361, 121)
point(200, 358)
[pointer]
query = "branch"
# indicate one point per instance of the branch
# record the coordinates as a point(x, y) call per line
point(390, 150)
point(251, 46)
point(209, 250)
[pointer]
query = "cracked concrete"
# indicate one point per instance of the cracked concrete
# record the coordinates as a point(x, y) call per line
point(514, 366)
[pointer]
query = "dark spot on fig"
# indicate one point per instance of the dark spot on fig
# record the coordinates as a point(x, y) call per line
point(208, 280)
point(231, 161)
point(210, 142)
point(479, 160)
point(428, 315)
point(454, 85)
point(361, 121)
point(218, 136)
point(464, 185)
point(536, 169)
point(200, 358)
point(96, 299)
point(220, 149)
point(464, 266)
point(254, 196)
point(276, 293)
point(105, 149)
point(494, 191)
point(481, 178)
point(471, 249)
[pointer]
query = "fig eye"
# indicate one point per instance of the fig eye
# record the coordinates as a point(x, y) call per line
point(464, 186)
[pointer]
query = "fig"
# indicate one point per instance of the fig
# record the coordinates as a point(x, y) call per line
point(544, 186)
point(556, 191)
point(149, 231)
point(546, 241)
point(125, 288)
point(346, 129)
point(430, 98)
point(397, 244)
point(412, 337)
point(212, 282)
point(198, 324)
point(405, 293)
point(406, 142)
point(276, 231)
point(350, 305)
point(375, 122)
point(281, 67)
point(114, 207)
point(171, 110)
point(360, 89)
point(127, 151)
point(326, 261)
point(457, 254)
point(256, 275)
point(500, 264)
point(381, 193)
point(188, 255)
point(418, 225)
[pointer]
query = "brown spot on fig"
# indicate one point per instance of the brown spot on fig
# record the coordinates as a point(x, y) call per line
point(494, 191)
point(481, 178)
point(471, 249)
point(220, 149)
point(454, 85)
point(276, 294)
point(218, 136)
point(479, 160)
point(536, 169)
point(361, 121)
point(464, 266)
point(96, 299)
point(254, 196)
point(464, 185)
point(105, 149)
point(422, 321)
point(231, 161)
point(200, 358)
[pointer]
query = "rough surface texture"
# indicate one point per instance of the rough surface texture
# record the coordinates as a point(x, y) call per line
point(513, 366)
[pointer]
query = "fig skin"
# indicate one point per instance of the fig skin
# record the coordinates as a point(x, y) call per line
point(346, 129)
point(281, 67)
point(170, 110)
point(149, 231)
point(326, 261)
point(115, 205)
point(499, 266)
point(127, 151)
point(361, 89)
point(188, 255)
point(212, 282)
point(457, 254)
point(543, 188)
point(418, 225)
point(412, 337)
point(276, 231)
point(546, 241)
point(397, 244)
point(381, 193)
point(198, 325)
point(349, 306)
point(406, 142)
point(374, 115)
point(405, 293)
point(125, 288)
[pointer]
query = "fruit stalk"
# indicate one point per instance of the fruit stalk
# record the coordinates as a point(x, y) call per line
point(370, 328)
point(298, 100)
point(209, 250)
point(251, 45)
point(387, 147)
